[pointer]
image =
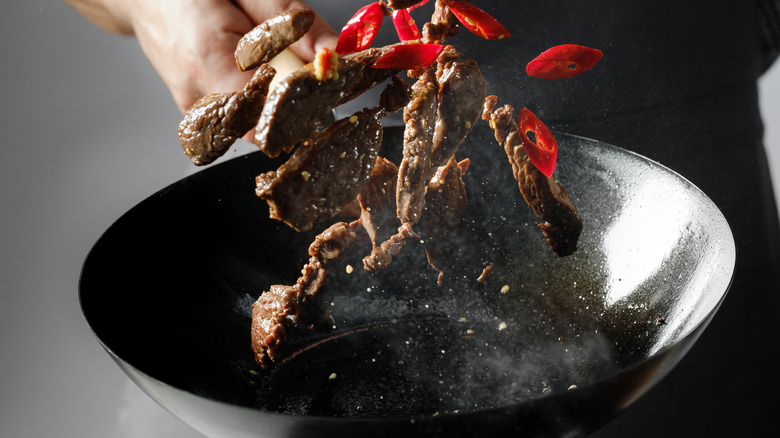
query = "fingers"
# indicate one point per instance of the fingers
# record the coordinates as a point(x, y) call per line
point(320, 35)
point(200, 59)
point(193, 48)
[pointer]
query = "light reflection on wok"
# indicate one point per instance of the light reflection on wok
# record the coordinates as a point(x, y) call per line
point(643, 233)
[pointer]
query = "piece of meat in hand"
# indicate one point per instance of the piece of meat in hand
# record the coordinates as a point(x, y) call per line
point(325, 173)
point(216, 121)
point(549, 200)
point(271, 37)
point(282, 305)
point(461, 96)
point(446, 204)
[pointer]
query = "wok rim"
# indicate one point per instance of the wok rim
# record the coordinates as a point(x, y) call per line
point(687, 340)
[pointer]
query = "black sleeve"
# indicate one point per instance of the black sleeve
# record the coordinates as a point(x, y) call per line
point(769, 27)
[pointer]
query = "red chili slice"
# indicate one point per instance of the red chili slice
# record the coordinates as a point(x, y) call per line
point(478, 21)
point(543, 149)
point(409, 56)
point(563, 61)
point(361, 29)
point(404, 26)
point(411, 8)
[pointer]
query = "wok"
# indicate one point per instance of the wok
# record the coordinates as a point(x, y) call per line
point(168, 290)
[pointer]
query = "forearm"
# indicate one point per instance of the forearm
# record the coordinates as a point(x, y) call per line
point(108, 15)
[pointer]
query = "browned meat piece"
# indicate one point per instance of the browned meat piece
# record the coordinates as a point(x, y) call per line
point(325, 173)
point(269, 315)
point(299, 105)
point(401, 4)
point(396, 96)
point(446, 204)
point(485, 273)
point(443, 24)
point(546, 196)
point(271, 312)
point(381, 256)
point(461, 95)
point(413, 173)
point(351, 209)
point(377, 202)
point(268, 39)
point(216, 121)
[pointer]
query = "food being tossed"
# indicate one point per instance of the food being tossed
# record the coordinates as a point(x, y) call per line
point(335, 167)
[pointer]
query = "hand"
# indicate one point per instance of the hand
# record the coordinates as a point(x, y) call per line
point(191, 44)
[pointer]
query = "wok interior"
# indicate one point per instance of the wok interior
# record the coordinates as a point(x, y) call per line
point(182, 269)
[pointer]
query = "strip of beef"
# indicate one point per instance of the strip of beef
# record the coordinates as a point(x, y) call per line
point(264, 42)
point(546, 196)
point(299, 105)
point(274, 308)
point(446, 204)
point(382, 255)
point(402, 4)
point(461, 96)
point(379, 218)
point(377, 202)
point(216, 121)
point(325, 173)
point(414, 171)
point(443, 24)
point(396, 95)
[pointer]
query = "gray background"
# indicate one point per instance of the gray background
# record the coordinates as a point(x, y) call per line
point(89, 130)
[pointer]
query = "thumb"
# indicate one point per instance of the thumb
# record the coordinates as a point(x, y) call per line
point(320, 35)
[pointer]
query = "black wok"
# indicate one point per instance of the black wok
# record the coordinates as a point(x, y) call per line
point(168, 290)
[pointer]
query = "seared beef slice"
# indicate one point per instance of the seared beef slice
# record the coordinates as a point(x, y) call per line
point(402, 4)
point(377, 202)
point(300, 104)
point(446, 204)
point(216, 121)
point(271, 312)
point(413, 173)
point(461, 95)
point(546, 196)
point(264, 42)
point(324, 173)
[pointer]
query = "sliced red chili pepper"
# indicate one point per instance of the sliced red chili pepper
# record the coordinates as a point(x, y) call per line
point(563, 61)
point(478, 21)
point(543, 149)
point(361, 29)
point(409, 56)
point(413, 7)
point(404, 26)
